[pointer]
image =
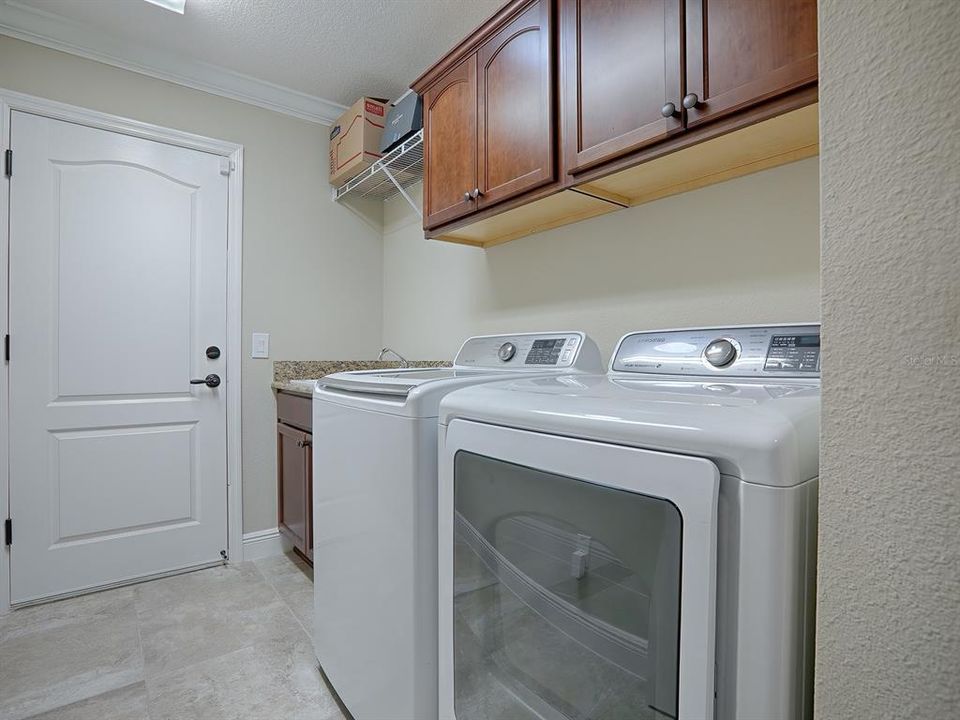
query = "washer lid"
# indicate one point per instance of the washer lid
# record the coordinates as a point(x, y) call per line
point(395, 381)
point(416, 392)
point(763, 432)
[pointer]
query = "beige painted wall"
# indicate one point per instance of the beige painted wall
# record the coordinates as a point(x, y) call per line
point(888, 635)
point(739, 252)
point(311, 269)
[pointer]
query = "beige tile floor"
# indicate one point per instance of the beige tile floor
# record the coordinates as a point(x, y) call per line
point(228, 643)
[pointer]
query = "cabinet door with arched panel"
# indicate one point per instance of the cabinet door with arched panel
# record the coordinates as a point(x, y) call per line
point(450, 145)
point(515, 141)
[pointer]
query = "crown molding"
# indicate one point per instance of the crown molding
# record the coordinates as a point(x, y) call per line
point(59, 33)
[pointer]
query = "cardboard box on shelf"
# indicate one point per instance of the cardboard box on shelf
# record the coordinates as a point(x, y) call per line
point(355, 139)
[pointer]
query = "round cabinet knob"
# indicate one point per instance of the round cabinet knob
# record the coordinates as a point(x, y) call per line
point(691, 101)
point(668, 110)
point(507, 351)
point(467, 197)
point(720, 353)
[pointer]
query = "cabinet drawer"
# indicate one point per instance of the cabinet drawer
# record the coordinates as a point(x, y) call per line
point(295, 410)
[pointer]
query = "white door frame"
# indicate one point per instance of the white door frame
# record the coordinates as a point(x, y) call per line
point(232, 153)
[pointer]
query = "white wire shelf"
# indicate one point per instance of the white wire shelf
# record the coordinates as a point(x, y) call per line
point(390, 175)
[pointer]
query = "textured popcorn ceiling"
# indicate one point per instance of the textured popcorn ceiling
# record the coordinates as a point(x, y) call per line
point(333, 49)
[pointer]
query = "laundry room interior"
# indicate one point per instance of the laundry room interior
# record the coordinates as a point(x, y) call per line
point(490, 360)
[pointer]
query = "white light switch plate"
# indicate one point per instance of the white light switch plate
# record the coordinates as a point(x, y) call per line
point(261, 345)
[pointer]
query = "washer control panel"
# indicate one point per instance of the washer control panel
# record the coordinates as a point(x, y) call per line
point(793, 353)
point(522, 351)
point(546, 351)
point(755, 351)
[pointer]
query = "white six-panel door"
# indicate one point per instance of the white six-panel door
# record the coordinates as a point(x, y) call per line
point(118, 250)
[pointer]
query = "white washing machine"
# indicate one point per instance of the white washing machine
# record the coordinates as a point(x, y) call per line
point(640, 544)
point(375, 516)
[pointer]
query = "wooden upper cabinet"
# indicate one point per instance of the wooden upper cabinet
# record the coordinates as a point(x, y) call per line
point(450, 144)
point(556, 96)
point(515, 146)
point(741, 52)
point(620, 64)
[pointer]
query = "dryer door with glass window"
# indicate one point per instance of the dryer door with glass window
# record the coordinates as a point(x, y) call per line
point(579, 578)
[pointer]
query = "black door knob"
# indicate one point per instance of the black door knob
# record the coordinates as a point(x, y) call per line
point(210, 380)
point(213, 352)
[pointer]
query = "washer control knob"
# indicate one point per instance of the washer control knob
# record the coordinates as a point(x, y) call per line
point(720, 353)
point(507, 351)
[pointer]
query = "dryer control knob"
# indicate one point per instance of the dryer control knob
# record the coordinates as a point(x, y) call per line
point(507, 351)
point(720, 353)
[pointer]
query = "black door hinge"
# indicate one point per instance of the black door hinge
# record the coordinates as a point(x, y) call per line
point(8, 532)
point(6, 348)
point(8, 163)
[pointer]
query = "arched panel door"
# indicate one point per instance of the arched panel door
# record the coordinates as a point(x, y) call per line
point(450, 147)
point(118, 281)
point(515, 148)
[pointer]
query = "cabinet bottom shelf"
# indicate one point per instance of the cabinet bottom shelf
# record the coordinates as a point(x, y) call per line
point(777, 141)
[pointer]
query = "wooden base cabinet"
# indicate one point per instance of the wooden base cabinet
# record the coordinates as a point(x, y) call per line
point(295, 473)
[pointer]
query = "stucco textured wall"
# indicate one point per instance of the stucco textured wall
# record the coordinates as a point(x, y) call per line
point(888, 635)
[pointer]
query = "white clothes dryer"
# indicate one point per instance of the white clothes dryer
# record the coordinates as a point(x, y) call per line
point(375, 515)
point(640, 544)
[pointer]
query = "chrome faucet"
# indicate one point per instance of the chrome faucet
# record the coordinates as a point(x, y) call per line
point(403, 360)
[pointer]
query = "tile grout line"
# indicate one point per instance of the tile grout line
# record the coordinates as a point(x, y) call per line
point(172, 671)
point(338, 714)
point(91, 619)
point(143, 657)
point(287, 605)
point(141, 611)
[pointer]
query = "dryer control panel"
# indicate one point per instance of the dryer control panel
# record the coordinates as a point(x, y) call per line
point(529, 351)
point(753, 351)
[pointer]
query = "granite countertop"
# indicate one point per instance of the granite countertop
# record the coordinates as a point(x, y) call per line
point(284, 371)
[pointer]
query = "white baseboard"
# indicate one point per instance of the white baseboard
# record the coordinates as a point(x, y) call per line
point(263, 543)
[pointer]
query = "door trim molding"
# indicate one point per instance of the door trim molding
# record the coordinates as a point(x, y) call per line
point(10, 101)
